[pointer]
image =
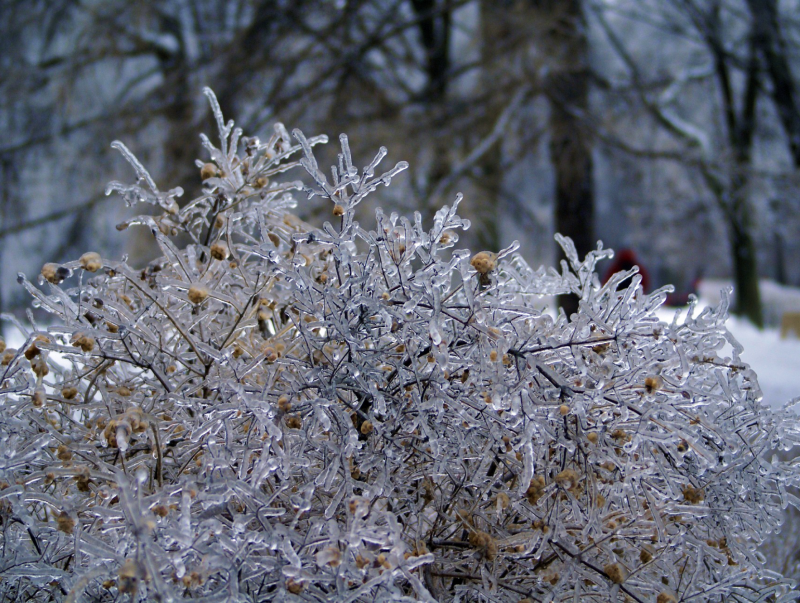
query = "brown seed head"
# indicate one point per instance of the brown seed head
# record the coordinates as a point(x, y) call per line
point(209, 170)
point(220, 251)
point(65, 523)
point(483, 262)
point(197, 294)
point(294, 587)
point(91, 261)
point(8, 356)
point(39, 366)
point(693, 495)
point(338, 210)
point(38, 398)
point(51, 273)
point(614, 573)
point(652, 384)
point(63, 453)
point(535, 490)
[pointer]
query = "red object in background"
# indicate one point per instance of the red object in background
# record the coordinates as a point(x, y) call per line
point(625, 260)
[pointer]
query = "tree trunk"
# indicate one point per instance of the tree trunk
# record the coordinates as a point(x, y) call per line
point(495, 29)
point(745, 268)
point(567, 89)
point(434, 30)
point(741, 126)
point(770, 44)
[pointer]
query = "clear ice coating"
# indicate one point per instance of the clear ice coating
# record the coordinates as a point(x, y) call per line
point(280, 412)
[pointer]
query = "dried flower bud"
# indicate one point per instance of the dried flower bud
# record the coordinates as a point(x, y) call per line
point(219, 251)
point(8, 356)
point(129, 576)
point(338, 210)
point(567, 479)
point(68, 393)
point(330, 556)
point(65, 522)
point(535, 490)
point(110, 434)
point(485, 544)
point(53, 273)
point(63, 453)
point(39, 397)
point(209, 170)
point(614, 572)
point(197, 294)
point(294, 587)
point(84, 342)
point(91, 261)
point(652, 384)
point(693, 495)
point(82, 479)
point(39, 367)
point(160, 510)
point(483, 262)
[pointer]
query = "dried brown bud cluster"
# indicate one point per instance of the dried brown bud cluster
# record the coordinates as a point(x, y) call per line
point(209, 170)
point(91, 261)
point(197, 293)
point(483, 262)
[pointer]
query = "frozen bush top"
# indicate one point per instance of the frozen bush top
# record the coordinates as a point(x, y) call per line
point(279, 412)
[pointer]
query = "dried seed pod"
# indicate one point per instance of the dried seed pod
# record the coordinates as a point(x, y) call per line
point(209, 170)
point(52, 273)
point(614, 572)
point(338, 210)
point(91, 261)
point(63, 453)
point(39, 367)
point(129, 575)
point(197, 293)
point(65, 522)
point(483, 262)
point(8, 356)
point(39, 397)
point(220, 251)
point(83, 341)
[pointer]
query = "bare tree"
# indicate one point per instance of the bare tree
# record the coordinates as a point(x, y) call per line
point(726, 66)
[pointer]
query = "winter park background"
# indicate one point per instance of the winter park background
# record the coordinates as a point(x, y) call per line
point(667, 127)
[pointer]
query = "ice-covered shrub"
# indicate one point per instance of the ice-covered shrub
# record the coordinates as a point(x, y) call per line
point(279, 412)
